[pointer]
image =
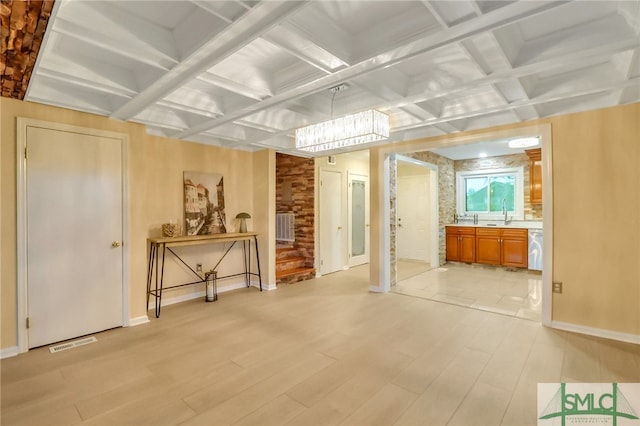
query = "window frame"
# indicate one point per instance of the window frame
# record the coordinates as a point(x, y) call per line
point(518, 172)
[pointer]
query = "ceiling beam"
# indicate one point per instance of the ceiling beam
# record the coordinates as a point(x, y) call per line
point(605, 87)
point(545, 65)
point(496, 19)
point(252, 24)
point(304, 49)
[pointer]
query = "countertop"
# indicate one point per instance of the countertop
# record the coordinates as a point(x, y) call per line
point(526, 224)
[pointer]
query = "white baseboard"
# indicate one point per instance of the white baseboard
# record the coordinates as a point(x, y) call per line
point(265, 286)
point(318, 275)
point(597, 332)
point(8, 352)
point(376, 289)
point(138, 321)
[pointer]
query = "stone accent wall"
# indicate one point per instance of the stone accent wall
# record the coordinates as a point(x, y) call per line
point(295, 192)
point(503, 161)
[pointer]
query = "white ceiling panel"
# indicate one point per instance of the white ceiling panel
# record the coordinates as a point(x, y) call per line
point(246, 74)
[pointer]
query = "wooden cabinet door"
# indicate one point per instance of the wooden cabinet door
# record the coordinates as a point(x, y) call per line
point(452, 247)
point(467, 248)
point(488, 246)
point(535, 175)
point(461, 245)
point(514, 248)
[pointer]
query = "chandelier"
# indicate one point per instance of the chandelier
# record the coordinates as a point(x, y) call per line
point(348, 130)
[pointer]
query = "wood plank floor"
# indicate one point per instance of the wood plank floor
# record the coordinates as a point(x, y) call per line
point(324, 351)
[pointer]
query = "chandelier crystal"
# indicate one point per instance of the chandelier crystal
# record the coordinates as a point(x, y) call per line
point(349, 130)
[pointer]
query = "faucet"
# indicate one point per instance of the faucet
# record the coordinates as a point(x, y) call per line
point(504, 211)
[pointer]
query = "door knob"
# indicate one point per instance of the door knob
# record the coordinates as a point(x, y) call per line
point(339, 227)
point(116, 244)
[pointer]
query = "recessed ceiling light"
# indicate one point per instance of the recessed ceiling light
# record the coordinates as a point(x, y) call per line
point(523, 142)
point(482, 155)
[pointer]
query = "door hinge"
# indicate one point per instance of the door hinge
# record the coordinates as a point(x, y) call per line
point(322, 262)
point(27, 322)
point(26, 153)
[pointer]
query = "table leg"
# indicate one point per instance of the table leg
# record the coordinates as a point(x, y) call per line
point(159, 292)
point(255, 239)
point(150, 272)
point(244, 260)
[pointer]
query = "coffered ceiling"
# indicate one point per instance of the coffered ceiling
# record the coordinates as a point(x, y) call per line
point(245, 74)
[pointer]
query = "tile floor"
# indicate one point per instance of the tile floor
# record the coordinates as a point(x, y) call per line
point(494, 289)
point(320, 352)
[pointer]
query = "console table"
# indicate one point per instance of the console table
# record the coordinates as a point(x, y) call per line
point(159, 246)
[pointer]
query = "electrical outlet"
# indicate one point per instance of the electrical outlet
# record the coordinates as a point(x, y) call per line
point(557, 286)
point(198, 267)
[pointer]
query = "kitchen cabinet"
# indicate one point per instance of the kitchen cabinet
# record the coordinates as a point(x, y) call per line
point(502, 246)
point(461, 243)
point(488, 247)
point(535, 175)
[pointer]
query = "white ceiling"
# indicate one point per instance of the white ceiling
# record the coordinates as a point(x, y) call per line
point(245, 74)
point(489, 148)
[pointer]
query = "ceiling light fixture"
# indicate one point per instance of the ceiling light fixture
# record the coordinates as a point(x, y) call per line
point(524, 142)
point(348, 130)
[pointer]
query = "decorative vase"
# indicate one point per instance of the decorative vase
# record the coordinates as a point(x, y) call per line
point(171, 229)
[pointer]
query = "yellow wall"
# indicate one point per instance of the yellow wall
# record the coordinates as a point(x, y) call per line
point(155, 168)
point(264, 215)
point(596, 177)
point(596, 212)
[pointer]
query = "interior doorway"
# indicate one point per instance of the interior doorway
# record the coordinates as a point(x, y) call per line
point(358, 212)
point(532, 296)
point(416, 216)
point(331, 229)
point(71, 259)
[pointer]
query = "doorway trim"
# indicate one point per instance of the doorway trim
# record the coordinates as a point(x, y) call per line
point(322, 226)
point(386, 152)
point(434, 226)
point(21, 217)
point(367, 254)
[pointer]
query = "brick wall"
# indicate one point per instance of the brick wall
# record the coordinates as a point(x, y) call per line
point(23, 27)
point(295, 192)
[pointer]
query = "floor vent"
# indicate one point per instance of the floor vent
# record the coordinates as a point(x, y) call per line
point(70, 345)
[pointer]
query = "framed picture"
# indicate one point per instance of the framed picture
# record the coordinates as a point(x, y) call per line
point(204, 203)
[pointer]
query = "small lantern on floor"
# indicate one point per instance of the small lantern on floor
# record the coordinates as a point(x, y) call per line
point(211, 293)
point(243, 221)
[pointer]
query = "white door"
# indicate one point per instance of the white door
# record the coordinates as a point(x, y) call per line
point(331, 232)
point(413, 218)
point(358, 213)
point(74, 233)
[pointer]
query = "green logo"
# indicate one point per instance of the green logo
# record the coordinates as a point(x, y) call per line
point(587, 405)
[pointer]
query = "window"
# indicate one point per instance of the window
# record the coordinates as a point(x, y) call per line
point(487, 192)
